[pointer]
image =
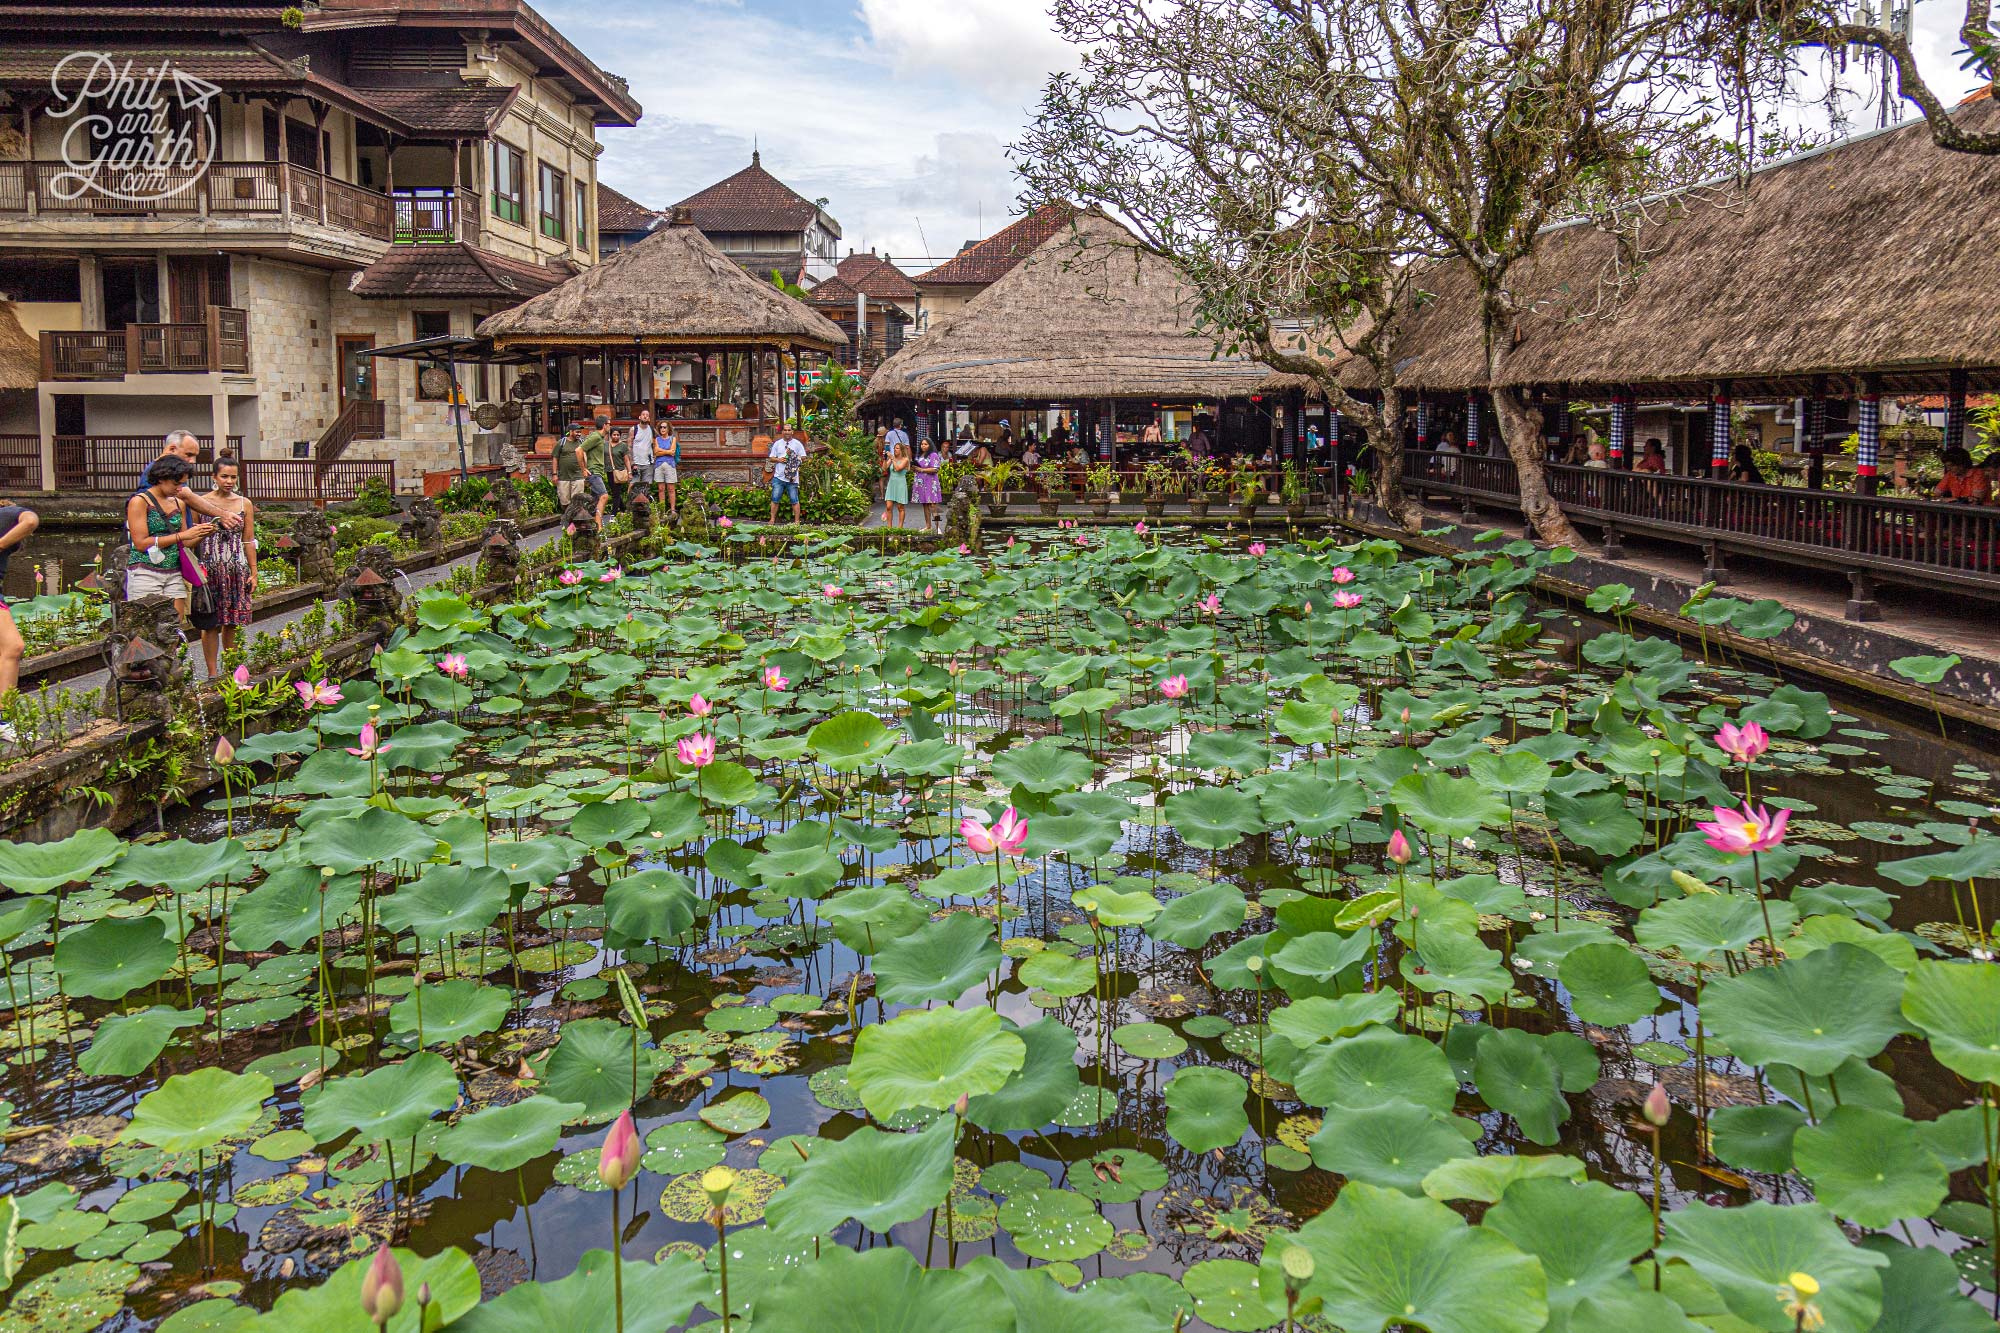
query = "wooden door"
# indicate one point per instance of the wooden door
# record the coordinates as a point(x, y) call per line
point(194, 283)
point(357, 368)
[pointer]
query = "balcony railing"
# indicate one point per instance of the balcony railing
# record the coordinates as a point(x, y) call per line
point(224, 189)
point(221, 341)
point(435, 215)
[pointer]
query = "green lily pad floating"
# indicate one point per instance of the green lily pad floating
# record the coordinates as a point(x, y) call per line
point(1117, 1175)
point(1149, 1041)
point(1054, 1224)
point(739, 1113)
point(683, 1146)
point(878, 1179)
point(143, 1203)
point(74, 1299)
point(1660, 1053)
point(927, 1059)
point(1206, 1026)
point(502, 1138)
point(195, 1112)
point(1205, 1108)
point(685, 1201)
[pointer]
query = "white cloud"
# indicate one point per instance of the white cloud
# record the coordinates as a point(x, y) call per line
point(1001, 46)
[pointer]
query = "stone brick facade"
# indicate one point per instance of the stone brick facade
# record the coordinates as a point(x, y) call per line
point(292, 353)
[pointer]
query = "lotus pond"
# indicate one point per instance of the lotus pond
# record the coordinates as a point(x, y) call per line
point(1090, 933)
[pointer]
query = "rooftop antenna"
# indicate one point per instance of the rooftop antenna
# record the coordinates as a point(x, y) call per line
point(920, 233)
point(756, 157)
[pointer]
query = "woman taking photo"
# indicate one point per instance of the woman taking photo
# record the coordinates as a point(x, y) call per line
point(221, 606)
point(896, 485)
point(157, 529)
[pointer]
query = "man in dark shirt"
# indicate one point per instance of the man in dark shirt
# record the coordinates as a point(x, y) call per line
point(17, 524)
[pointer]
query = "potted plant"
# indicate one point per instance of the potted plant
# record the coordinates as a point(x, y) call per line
point(1248, 485)
point(1297, 483)
point(1159, 479)
point(1053, 479)
point(996, 479)
point(1204, 481)
point(1100, 482)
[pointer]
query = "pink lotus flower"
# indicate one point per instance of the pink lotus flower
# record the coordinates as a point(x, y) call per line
point(612, 575)
point(1746, 830)
point(1174, 687)
point(1139, 528)
point(224, 752)
point(775, 679)
point(697, 751)
point(1309, 608)
point(1743, 743)
point(725, 522)
point(963, 549)
point(453, 664)
point(1081, 540)
point(1010, 543)
point(928, 592)
point(242, 677)
point(1399, 848)
point(369, 746)
point(1212, 603)
point(382, 1288)
point(700, 707)
point(1342, 574)
point(618, 1159)
point(1347, 601)
point(1257, 548)
point(317, 694)
point(1004, 836)
point(830, 590)
point(569, 578)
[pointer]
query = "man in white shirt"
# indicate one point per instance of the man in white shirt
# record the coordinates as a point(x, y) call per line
point(788, 456)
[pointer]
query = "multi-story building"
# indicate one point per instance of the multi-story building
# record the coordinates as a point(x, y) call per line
point(211, 212)
point(765, 225)
point(980, 264)
point(622, 221)
point(874, 303)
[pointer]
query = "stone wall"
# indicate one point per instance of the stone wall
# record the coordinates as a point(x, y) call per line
point(291, 354)
point(418, 434)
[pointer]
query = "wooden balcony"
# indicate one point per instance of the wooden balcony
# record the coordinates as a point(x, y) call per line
point(435, 215)
point(221, 342)
point(277, 190)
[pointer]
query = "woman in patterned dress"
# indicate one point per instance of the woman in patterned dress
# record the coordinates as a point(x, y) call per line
point(223, 606)
point(927, 492)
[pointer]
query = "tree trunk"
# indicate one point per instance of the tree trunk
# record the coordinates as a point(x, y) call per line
point(1385, 437)
point(1523, 437)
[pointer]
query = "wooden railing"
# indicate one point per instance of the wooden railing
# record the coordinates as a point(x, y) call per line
point(307, 479)
point(224, 189)
point(221, 341)
point(20, 463)
point(431, 216)
point(361, 419)
point(1946, 545)
point(114, 462)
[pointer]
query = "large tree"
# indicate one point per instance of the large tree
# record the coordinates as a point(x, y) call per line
point(1314, 158)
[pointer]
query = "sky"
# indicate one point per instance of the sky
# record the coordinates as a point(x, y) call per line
point(897, 112)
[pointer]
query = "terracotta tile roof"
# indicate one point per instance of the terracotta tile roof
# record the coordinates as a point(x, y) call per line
point(791, 264)
point(143, 16)
point(616, 212)
point(878, 277)
point(471, 111)
point(986, 262)
point(751, 200)
point(454, 270)
point(833, 292)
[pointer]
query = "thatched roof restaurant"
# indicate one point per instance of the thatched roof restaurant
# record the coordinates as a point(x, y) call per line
point(673, 326)
point(1091, 321)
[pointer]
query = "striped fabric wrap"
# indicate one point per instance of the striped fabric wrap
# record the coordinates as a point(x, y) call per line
point(1868, 446)
point(1718, 414)
point(1621, 427)
point(1107, 431)
point(1423, 424)
point(1954, 418)
point(1474, 436)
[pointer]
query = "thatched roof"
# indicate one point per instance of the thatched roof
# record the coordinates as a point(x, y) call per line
point(20, 355)
point(672, 289)
point(1088, 315)
point(1876, 254)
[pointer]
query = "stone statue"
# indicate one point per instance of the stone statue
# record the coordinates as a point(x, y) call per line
point(150, 671)
point(642, 511)
point(503, 499)
point(580, 521)
point(425, 525)
point(313, 532)
point(500, 551)
point(961, 514)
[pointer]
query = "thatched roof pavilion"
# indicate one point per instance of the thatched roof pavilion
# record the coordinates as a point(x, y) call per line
point(673, 326)
point(1089, 315)
point(20, 355)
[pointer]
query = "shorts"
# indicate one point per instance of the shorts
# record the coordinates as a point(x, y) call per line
point(669, 473)
point(155, 581)
point(568, 490)
point(642, 474)
point(784, 492)
point(595, 485)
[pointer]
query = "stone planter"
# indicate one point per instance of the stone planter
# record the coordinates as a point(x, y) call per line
point(1295, 511)
point(1100, 505)
point(1246, 510)
point(1048, 506)
point(1198, 505)
point(1156, 506)
point(996, 506)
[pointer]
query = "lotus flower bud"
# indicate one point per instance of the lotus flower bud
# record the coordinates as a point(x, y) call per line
point(1658, 1108)
point(225, 753)
point(618, 1159)
point(958, 1108)
point(241, 676)
point(1399, 848)
point(423, 1295)
point(382, 1287)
